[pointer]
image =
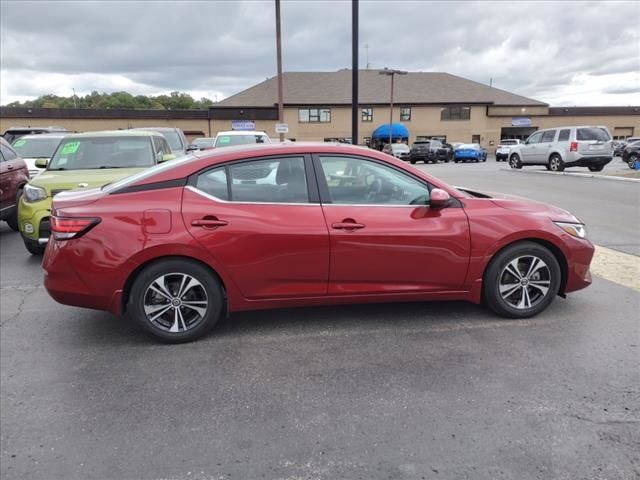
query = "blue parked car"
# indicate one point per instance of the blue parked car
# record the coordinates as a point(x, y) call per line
point(469, 152)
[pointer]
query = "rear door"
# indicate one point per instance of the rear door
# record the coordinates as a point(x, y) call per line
point(384, 237)
point(546, 146)
point(261, 220)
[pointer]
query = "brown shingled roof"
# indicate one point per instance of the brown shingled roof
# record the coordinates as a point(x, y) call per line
point(334, 88)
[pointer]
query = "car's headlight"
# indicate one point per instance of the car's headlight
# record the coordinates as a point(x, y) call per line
point(33, 194)
point(573, 229)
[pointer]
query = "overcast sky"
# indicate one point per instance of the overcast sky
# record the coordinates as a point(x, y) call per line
point(569, 53)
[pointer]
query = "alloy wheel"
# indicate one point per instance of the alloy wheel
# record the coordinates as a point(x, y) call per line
point(175, 302)
point(524, 282)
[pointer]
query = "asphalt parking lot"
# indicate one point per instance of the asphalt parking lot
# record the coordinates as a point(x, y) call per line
point(438, 390)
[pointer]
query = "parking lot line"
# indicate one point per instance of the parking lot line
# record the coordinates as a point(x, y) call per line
point(621, 268)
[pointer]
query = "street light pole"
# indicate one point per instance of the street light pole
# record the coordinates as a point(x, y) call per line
point(392, 73)
point(354, 72)
point(279, 55)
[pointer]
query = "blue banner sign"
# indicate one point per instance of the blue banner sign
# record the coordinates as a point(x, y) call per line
point(520, 122)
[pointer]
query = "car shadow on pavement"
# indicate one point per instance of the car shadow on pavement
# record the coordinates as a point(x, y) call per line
point(99, 328)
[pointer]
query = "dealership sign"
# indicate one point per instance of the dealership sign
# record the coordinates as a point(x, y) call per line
point(520, 122)
point(243, 125)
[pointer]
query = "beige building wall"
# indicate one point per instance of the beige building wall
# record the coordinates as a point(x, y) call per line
point(425, 121)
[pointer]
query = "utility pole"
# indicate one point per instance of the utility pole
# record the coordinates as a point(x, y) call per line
point(366, 46)
point(392, 73)
point(354, 73)
point(279, 54)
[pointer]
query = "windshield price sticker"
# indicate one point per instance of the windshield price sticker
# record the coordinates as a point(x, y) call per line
point(71, 147)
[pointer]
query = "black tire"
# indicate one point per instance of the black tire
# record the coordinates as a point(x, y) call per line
point(596, 168)
point(209, 287)
point(33, 247)
point(547, 166)
point(514, 161)
point(497, 272)
point(633, 158)
point(413, 162)
point(556, 164)
point(456, 161)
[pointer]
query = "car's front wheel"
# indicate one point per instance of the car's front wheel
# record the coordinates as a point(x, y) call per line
point(33, 247)
point(176, 300)
point(596, 168)
point(514, 161)
point(521, 280)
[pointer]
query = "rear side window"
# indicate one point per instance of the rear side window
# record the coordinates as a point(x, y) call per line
point(564, 135)
point(279, 180)
point(8, 153)
point(548, 136)
point(592, 133)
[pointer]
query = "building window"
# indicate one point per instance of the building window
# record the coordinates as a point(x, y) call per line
point(405, 114)
point(455, 113)
point(367, 114)
point(314, 115)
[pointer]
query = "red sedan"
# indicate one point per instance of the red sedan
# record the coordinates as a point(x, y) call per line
point(284, 225)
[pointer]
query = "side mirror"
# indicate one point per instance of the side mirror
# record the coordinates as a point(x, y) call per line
point(166, 157)
point(42, 162)
point(439, 198)
point(192, 147)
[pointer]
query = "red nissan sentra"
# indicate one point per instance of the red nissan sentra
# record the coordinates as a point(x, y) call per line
point(285, 225)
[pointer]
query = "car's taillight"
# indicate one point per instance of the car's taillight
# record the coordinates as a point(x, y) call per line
point(66, 228)
point(573, 147)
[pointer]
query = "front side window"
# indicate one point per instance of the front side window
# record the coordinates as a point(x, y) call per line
point(455, 113)
point(359, 181)
point(87, 153)
point(405, 114)
point(535, 138)
point(367, 114)
point(548, 136)
point(314, 115)
point(280, 180)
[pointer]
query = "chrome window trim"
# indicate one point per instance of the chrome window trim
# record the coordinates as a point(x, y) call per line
point(216, 199)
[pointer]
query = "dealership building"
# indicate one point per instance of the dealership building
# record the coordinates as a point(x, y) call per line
point(317, 107)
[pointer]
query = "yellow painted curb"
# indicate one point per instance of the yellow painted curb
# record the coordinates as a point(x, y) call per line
point(621, 268)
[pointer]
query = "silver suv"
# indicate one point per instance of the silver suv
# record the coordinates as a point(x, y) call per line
point(561, 147)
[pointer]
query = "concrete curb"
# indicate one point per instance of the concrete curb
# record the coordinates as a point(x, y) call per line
point(571, 174)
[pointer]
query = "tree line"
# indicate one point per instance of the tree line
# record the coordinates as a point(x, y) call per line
point(173, 101)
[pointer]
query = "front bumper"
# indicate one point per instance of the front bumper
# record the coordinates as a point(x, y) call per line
point(33, 219)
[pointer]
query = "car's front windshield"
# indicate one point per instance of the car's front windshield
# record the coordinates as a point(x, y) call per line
point(400, 147)
point(469, 146)
point(40, 147)
point(87, 153)
point(229, 140)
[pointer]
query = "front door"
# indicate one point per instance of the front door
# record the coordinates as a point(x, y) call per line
point(260, 220)
point(531, 150)
point(384, 236)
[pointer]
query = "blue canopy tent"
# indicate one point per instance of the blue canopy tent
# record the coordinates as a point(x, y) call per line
point(398, 132)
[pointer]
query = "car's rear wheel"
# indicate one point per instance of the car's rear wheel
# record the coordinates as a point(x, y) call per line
point(514, 161)
point(33, 247)
point(596, 168)
point(176, 300)
point(521, 280)
point(556, 164)
point(413, 162)
point(633, 159)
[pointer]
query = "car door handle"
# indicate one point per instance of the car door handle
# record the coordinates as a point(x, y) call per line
point(211, 222)
point(347, 225)
point(9, 167)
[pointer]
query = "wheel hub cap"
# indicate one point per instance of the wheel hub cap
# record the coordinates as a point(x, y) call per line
point(525, 282)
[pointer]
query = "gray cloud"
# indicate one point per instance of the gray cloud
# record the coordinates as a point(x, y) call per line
point(530, 48)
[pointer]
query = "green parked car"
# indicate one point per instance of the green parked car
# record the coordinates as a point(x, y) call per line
point(84, 160)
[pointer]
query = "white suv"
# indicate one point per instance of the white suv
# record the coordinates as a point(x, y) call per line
point(557, 148)
point(240, 137)
point(504, 147)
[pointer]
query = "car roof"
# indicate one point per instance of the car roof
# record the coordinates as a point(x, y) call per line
point(115, 133)
point(156, 129)
point(242, 132)
point(50, 127)
point(44, 135)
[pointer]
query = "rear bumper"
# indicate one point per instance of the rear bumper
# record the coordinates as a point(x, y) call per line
point(588, 161)
point(502, 156)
